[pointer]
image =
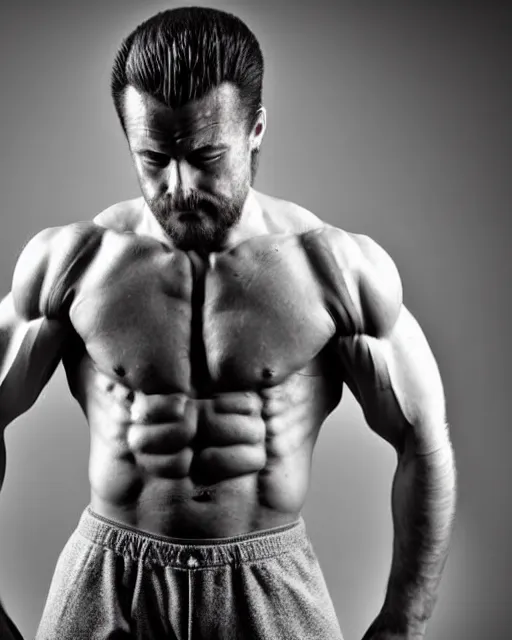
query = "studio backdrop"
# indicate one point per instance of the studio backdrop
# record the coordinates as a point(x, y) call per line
point(384, 118)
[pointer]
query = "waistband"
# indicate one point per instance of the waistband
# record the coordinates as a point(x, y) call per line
point(191, 553)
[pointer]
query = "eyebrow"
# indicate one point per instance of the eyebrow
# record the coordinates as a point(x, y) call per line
point(156, 147)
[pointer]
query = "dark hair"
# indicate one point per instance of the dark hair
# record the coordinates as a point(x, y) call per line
point(181, 54)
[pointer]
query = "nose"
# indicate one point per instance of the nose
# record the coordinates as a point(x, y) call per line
point(180, 177)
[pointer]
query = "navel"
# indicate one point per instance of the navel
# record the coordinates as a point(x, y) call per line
point(204, 496)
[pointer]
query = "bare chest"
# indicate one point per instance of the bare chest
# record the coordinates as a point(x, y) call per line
point(248, 318)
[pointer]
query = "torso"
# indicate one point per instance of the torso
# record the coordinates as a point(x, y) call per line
point(205, 384)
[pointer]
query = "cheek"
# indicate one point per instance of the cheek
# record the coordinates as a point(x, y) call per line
point(239, 165)
point(231, 177)
point(150, 183)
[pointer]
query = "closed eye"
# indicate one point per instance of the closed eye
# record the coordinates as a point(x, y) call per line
point(199, 158)
point(156, 159)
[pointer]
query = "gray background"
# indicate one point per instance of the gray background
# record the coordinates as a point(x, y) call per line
point(386, 119)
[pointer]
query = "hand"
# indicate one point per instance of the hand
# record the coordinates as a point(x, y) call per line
point(8, 630)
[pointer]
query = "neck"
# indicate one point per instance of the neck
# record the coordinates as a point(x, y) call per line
point(250, 224)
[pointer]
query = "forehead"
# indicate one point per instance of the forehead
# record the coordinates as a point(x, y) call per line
point(215, 114)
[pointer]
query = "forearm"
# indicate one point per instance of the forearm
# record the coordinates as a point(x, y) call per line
point(423, 502)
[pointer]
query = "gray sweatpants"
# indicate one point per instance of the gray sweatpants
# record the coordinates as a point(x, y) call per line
point(115, 582)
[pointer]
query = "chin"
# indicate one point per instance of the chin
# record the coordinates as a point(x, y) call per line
point(200, 240)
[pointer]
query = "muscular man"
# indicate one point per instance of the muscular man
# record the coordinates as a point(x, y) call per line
point(207, 331)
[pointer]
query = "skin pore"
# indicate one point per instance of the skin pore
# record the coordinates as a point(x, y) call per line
point(194, 164)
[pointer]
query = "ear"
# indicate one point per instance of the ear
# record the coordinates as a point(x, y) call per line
point(258, 129)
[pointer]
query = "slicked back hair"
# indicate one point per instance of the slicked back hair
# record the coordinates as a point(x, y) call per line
point(181, 54)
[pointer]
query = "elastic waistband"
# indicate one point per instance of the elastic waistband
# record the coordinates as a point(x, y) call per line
point(191, 553)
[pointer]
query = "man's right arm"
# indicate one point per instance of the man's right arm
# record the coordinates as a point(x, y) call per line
point(30, 351)
point(31, 342)
point(31, 347)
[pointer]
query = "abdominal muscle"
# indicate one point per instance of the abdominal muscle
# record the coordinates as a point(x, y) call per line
point(179, 466)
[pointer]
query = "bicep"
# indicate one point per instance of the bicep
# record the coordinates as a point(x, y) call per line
point(396, 380)
point(30, 351)
point(34, 326)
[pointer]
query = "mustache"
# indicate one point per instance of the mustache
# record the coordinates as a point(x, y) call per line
point(191, 201)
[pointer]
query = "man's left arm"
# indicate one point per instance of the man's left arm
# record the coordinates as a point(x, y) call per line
point(392, 372)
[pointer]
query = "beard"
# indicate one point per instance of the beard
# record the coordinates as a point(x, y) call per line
point(197, 221)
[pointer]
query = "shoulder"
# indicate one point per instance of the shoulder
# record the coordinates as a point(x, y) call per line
point(48, 263)
point(360, 279)
point(122, 217)
point(359, 275)
point(283, 216)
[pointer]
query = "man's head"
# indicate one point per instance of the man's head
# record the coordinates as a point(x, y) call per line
point(187, 87)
